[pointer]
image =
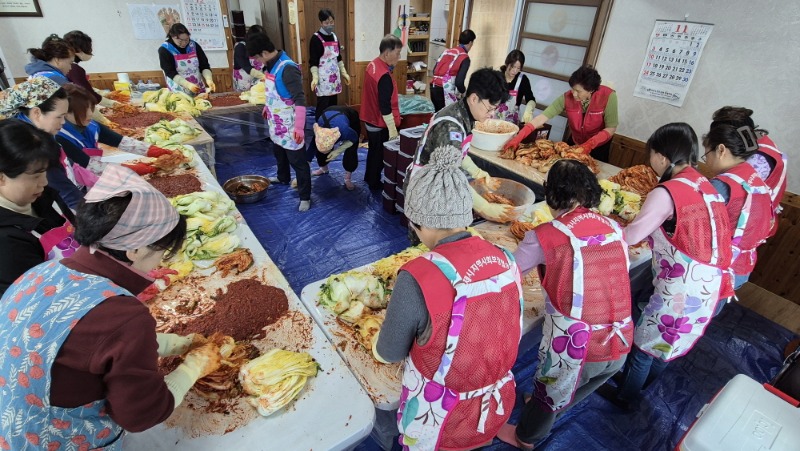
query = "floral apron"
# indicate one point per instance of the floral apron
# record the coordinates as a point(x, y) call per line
point(242, 81)
point(330, 82)
point(449, 81)
point(685, 297)
point(425, 403)
point(188, 66)
point(562, 352)
point(43, 306)
point(465, 144)
point(58, 242)
point(87, 141)
point(509, 111)
point(280, 112)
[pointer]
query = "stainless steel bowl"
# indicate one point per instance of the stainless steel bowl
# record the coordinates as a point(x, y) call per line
point(237, 187)
point(516, 192)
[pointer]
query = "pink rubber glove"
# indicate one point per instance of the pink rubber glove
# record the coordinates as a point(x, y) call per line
point(83, 176)
point(599, 139)
point(299, 124)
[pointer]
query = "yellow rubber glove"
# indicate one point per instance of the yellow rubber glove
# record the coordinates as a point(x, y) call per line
point(199, 362)
point(98, 117)
point(389, 119)
point(343, 72)
point(493, 212)
point(186, 84)
point(314, 77)
point(375, 354)
point(257, 74)
point(472, 169)
point(106, 102)
point(210, 86)
point(173, 344)
point(528, 115)
point(338, 151)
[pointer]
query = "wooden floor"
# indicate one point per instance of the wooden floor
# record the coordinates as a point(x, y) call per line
point(770, 305)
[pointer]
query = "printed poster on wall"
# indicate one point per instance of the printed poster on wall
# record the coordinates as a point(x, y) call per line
point(152, 21)
point(203, 18)
point(671, 60)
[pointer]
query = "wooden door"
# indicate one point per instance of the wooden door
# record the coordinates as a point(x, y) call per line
point(311, 20)
point(272, 12)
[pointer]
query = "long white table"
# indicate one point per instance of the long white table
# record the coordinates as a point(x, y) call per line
point(332, 412)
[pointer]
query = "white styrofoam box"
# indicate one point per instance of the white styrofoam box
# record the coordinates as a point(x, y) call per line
point(744, 416)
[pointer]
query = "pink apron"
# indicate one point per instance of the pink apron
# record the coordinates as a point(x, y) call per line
point(58, 242)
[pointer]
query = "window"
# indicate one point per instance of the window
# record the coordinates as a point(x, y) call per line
point(557, 37)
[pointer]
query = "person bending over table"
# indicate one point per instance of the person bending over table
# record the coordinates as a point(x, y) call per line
point(184, 63)
point(591, 114)
point(519, 89)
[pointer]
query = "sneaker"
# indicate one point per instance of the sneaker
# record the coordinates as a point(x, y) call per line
point(293, 184)
point(275, 181)
point(320, 171)
point(348, 182)
point(304, 205)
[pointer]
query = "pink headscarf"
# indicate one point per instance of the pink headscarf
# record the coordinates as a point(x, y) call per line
point(149, 216)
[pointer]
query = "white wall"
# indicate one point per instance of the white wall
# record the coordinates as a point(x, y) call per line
point(106, 21)
point(750, 60)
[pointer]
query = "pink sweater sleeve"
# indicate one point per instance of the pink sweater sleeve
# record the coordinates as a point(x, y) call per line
point(657, 208)
point(529, 254)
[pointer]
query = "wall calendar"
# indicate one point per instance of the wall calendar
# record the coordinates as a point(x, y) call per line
point(203, 18)
point(671, 60)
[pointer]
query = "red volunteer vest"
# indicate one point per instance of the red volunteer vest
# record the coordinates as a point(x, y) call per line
point(456, 55)
point(693, 225)
point(607, 298)
point(761, 215)
point(491, 322)
point(776, 181)
point(584, 126)
point(370, 106)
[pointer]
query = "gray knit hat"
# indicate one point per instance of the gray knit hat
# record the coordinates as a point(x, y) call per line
point(438, 193)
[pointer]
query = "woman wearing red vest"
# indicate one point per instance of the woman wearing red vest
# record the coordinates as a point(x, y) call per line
point(686, 223)
point(768, 161)
point(749, 205)
point(587, 325)
point(450, 72)
point(591, 114)
point(449, 307)
point(380, 109)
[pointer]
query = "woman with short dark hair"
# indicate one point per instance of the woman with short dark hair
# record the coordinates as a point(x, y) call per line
point(184, 63)
point(591, 114)
point(83, 351)
point(450, 72)
point(35, 224)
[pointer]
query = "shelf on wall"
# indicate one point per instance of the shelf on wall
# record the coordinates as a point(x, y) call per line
point(417, 53)
point(418, 37)
point(419, 19)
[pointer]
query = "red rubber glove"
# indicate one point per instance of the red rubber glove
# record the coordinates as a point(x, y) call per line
point(155, 151)
point(599, 139)
point(517, 139)
point(141, 168)
point(162, 273)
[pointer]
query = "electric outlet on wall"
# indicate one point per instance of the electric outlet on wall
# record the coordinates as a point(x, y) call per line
point(363, 36)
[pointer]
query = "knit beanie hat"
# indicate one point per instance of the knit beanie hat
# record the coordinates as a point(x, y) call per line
point(438, 193)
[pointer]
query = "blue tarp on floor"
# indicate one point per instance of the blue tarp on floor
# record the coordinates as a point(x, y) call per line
point(345, 229)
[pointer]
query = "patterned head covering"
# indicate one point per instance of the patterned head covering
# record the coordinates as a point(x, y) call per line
point(148, 218)
point(28, 94)
point(326, 137)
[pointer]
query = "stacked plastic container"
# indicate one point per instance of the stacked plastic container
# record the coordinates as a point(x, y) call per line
point(398, 155)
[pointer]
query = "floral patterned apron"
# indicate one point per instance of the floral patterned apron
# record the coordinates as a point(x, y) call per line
point(449, 81)
point(188, 66)
point(58, 242)
point(685, 297)
point(562, 352)
point(330, 82)
point(509, 111)
point(242, 81)
point(280, 112)
point(425, 403)
point(42, 307)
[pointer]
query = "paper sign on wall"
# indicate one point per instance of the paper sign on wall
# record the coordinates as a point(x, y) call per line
point(671, 60)
point(152, 21)
point(204, 19)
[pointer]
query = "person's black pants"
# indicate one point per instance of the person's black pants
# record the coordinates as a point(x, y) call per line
point(374, 169)
point(323, 103)
point(437, 97)
point(297, 160)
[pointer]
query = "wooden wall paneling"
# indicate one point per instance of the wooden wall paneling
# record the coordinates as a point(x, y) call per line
point(351, 54)
point(778, 266)
point(357, 82)
point(105, 80)
point(626, 152)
